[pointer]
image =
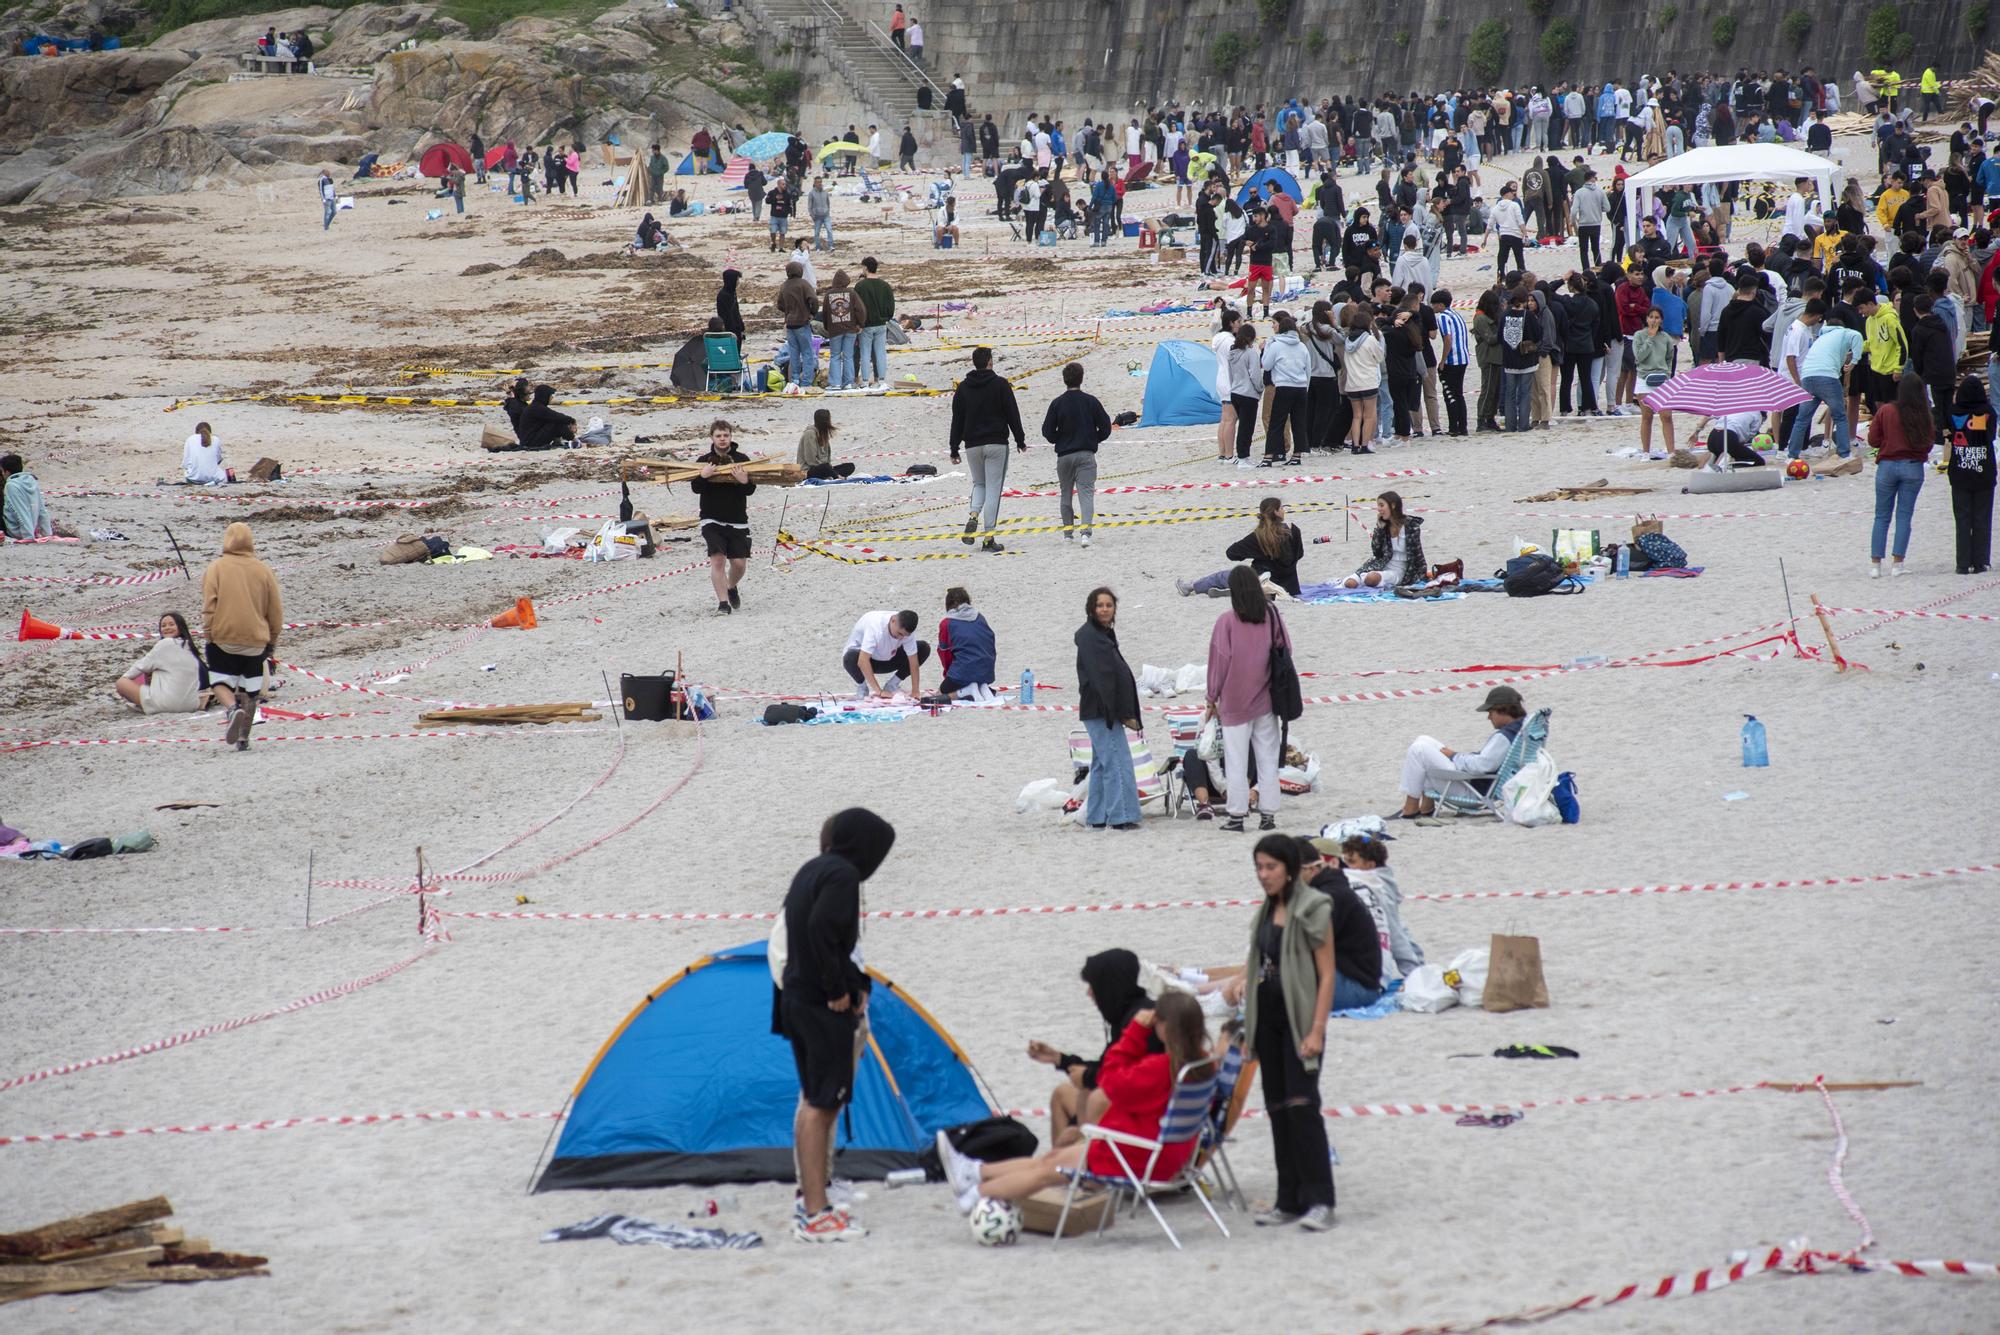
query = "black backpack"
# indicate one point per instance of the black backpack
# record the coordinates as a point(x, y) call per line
point(1536, 574)
point(989, 1141)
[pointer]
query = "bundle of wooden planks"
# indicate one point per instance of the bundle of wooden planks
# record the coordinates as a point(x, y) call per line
point(122, 1246)
point(764, 472)
point(569, 711)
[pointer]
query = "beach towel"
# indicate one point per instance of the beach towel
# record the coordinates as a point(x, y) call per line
point(632, 1231)
point(1334, 593)
point(1672, 572)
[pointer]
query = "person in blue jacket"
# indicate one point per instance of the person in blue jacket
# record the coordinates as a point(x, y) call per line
point(1607, 116)
point(965, 645)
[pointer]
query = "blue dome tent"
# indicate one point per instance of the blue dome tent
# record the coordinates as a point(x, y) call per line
point(1254, 187)
point(1180, 386)
point(693, 1087)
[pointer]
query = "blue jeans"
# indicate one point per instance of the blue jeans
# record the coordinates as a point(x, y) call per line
point(1349, 995)
point(1826, 389)
point(1113, 796)
point(823, 227)
point(801, 362)
point(1684, 230)
point(1607, 127)
point(1897, 482)
point(1516, 390)
point(840, 362)
point(458, 202)
point(328, 220)
point(874, 361)
point(1100, 226)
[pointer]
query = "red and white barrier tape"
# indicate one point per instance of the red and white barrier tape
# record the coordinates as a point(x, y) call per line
point(1924, 607)
point(282, 1124)
point(274, 498)
point(95, 581)
point(1247, 482)
point(1893, 614)
point(423, 735)
point(208, 1031)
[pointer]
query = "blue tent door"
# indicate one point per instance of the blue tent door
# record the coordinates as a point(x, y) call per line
point(695, 1088)
point(1180, 386)
point(1254, 187)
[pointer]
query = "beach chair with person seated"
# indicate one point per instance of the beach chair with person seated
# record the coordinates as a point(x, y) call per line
point(1156, 784)
point(1188, 1111)
point(1232, 1088)
point(724, 362)
point(1462, 794)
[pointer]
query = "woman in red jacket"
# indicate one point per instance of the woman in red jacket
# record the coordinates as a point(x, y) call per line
point(1139, 1084)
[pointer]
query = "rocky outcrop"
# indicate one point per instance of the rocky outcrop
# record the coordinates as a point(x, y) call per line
point(452, 87)
point(163, 162)
point(79, 92)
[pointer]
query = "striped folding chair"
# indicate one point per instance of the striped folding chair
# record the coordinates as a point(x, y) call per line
point(1212, 1159)
point(1188, 1112)
point(1462, 794)
point(1156, 789)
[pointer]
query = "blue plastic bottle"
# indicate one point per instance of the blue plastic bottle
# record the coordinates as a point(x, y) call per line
point(1028, 686)
point(1755, 753)
point(1624, 559)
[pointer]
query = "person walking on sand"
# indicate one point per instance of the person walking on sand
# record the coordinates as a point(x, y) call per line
point(822, 1004)
point(455, 179)
point(1108, 703)
point(983, 415)
point(242, 613)
point(1076, 424)
point(328, 200)
point(879, 299)
point(724, 488)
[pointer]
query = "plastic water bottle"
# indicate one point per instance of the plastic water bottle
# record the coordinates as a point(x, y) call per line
point(905, 1177)
point(1027, 686)
point(1755, 753)
point(1624, 559)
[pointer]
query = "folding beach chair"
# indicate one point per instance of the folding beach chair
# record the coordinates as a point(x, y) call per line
point(1462, 794)
point(1156, 785)
point(724, 360)
point(1188, 1111)
point(1212, 1159)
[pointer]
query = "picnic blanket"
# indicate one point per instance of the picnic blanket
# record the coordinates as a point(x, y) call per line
point(1381, 1009)
point(629, 1230)
point(1334, 593)
point(1672, 572)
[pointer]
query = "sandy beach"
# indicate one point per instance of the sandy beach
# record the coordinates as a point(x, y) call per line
point(1683, 1000)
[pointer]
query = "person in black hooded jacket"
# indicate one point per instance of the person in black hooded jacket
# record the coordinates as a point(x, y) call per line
point(1113, 979)
point(726, 307)
point(984, 413)
point(821, 1001)
point(1108, 703)
point(542, 427)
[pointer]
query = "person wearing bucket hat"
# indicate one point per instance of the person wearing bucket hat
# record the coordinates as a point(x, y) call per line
point(1503, 709)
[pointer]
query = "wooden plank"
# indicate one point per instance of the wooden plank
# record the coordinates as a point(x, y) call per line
point(123, 1240)
point(173, 1274)
point(208, 1260)
point(69, 1232)
point(112, 1269)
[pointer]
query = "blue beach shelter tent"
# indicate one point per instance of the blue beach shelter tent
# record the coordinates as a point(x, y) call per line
point(693, 1087)
point(1254, 187)
point(1180, 386)
point(686, 167)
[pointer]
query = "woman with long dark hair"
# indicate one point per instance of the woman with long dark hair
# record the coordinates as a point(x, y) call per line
point(1246, 387)
point(1108, 702)
point(1395, 548)
point(168, 679)
point(1239, 696)
point(1901, 433)
point(1274, 549)
point(816, 448)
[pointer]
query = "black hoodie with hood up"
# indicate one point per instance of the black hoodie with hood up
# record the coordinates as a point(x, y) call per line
point(726, 306)
point(823, 909)
point(1113, 976)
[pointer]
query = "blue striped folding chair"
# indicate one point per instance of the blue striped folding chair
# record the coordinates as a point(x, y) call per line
point(1156, 790)
point(1188, 1112)
point(1462, 794)
point(1212, 1159)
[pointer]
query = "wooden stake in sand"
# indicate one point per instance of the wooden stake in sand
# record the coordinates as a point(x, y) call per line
point(1833, 647)
point(569, 711)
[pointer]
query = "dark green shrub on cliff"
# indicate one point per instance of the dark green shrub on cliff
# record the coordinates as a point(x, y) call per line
point(1559, 46)
point(1227, 53)
point(1315, 42)
point(1795, 26)
point(1539, 9)
point(1273, 12)
point(1723, 31)
point(1486, 50)
point(1975, 20)
point(1878, 35)
point(1667, 16)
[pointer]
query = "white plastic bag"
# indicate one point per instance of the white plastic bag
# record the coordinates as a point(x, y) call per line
point(1296, 781)
point(1528, 797)
point(1191, 677)
point(1426, 992)
point(1341, 831)
point(1155, 680)
point(1208, 744)
point(1467, 972)
point(1042, 795)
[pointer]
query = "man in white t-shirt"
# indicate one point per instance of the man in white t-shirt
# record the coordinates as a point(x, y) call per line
point(883, 650)
point(1132, 145)
point(1796, 210)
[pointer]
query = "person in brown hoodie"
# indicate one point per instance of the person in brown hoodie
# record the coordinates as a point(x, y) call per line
point(843, 312)
point(795, 302)
point(241, 615)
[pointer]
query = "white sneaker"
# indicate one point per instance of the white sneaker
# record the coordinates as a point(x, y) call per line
point(1245, 465)
point(1318, 1219)
point(962, 1173)
point(892, 686)
point(1896, 570)
point(1874, 570)
point(1085, 540)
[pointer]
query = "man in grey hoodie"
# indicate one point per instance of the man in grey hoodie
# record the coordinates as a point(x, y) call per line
point(1716, 293)
point(819, 207)
point(1587, 208)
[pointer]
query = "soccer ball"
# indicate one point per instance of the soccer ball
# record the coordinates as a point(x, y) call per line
point(1798, 470)
point(995, 1223)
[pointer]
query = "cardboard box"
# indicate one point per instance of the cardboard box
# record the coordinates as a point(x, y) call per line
point(1040, 1211)
point(1173, 254)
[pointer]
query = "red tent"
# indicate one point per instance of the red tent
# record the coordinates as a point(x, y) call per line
point(438, 158)
point(494, 156)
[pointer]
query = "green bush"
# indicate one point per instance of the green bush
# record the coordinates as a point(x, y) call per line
point(1903, 47)
point(1723, 31)
point(1539, 9)
point(1315, 42)
point(781, 94)
point(1795, 26)
point(1402, 37)
point(1667, 15)
point(1227, 53)
point(1486, 50)
point(1273, 12)
point(1975, 19)
point(1878, 35)
point(1559, 45)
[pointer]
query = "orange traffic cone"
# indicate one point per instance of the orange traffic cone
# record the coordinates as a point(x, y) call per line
point(34, 628)
point(521, 618)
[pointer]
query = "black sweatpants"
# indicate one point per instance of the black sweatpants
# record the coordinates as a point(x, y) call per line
point(1405, 398)
point(1972, 516)
point(1738, 448)
point(1577, 368)
point(1520, 249)
point(1451, 381)
point(898, 666)
point(1328, 411)
point(1246, 421)
point(1291, 1102)
point(1288, 407)
point(1589, 251)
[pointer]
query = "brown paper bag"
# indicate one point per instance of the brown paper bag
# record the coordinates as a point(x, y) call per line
point(1646, 524)
point(267, 470)
point(493, 438)
point(1514, 979)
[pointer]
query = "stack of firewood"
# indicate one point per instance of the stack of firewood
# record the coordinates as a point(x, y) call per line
point(112, 1248)
point(1973, 360)
point(568, 711)
point(1982, 82)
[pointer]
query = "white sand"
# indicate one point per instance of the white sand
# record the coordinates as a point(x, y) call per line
point(428, 1227)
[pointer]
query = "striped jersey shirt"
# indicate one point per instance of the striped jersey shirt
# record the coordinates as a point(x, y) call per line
point(1457, 343)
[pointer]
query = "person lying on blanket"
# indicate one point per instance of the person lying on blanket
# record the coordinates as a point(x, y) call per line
point(1137, 1079)
point(1111, 981)
point(1503, 709)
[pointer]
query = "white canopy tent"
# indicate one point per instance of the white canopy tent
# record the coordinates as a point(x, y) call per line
point(1737, 162)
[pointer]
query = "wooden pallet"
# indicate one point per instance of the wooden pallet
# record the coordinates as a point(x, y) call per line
point(125, 1245)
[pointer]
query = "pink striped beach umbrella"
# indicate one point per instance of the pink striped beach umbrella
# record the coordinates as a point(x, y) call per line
point(1726, 387)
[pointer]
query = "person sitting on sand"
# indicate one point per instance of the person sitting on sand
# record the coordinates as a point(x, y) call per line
point(1111, 981)
point(966, 650)
point(816, 448)
point(542, 427)
point(168, 680)
point(650, 236)
point(201, 458)
point(883, 651)
point(515, 404)
point(1731, 435)
point(1396, 549)
point(1368, 871)
point(1503, 709)
point(1156, 1047)
point(22, 513)
point(1274, 549)
point(677, 206)
point(944, 222)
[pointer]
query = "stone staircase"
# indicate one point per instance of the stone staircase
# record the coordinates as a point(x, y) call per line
point(883, 80)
